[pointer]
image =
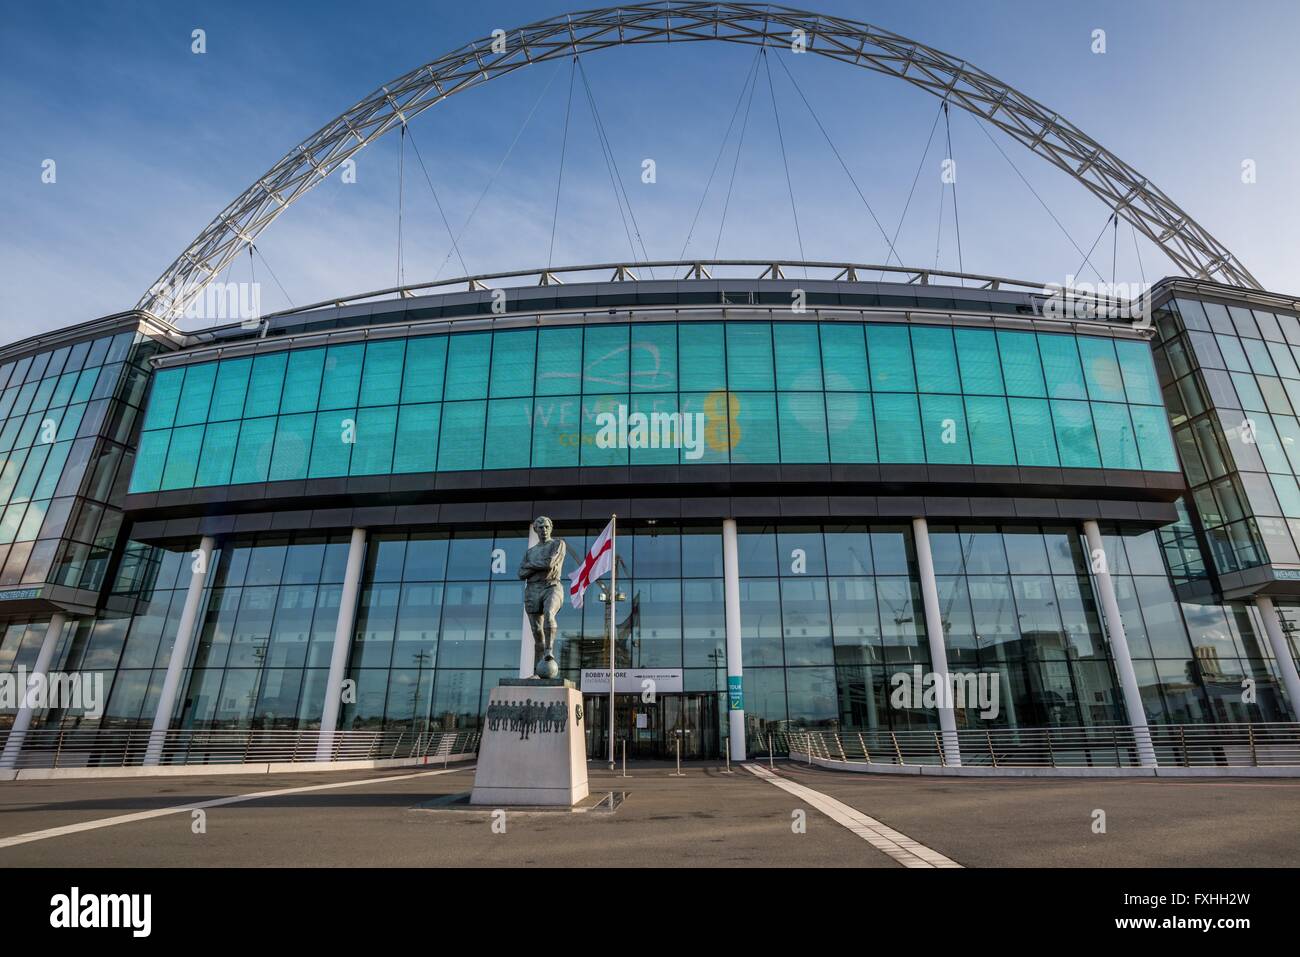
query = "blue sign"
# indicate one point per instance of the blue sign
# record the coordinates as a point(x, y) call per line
point(735, 693)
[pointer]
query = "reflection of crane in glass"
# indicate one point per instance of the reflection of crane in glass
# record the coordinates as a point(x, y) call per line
point(259, 657)
point(421, 658)
point(718, 659)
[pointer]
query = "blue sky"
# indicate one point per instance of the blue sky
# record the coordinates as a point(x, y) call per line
point(151, 141)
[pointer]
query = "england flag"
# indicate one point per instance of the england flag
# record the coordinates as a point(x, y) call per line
point(598, 561)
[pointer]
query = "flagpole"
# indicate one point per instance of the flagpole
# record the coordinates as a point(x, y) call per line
point(613, 635)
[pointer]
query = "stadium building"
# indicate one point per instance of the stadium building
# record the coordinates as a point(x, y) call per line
point(825, 476)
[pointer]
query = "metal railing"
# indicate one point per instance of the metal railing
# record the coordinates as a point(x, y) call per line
point(105, 748)
point(1107, 746)
point(680, 269)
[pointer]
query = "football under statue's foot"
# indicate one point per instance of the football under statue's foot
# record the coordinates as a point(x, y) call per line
point(547, 667)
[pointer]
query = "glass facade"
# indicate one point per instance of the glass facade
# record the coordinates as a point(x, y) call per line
point(1232, 385)
point(831, 610)
point(831, 614)
point(438, 620)
point(66, 418)
point(763, 392)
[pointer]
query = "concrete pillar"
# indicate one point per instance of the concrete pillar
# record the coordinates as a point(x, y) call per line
point(938, 647)
point(1281, 651)
point(180, 656)
point(735, 670)
point(1137, 716)
point(329, 721)
point(40, 669)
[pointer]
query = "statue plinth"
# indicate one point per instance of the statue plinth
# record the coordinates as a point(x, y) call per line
point(533, 750)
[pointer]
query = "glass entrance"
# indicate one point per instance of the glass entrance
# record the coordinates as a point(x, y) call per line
point(651, 730)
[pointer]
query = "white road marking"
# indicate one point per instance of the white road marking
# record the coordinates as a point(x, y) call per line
point(885, 839)
point(216, 802)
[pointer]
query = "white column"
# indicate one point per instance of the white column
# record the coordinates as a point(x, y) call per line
point(938, 647)
point(735, 670)
point(527, 650)
point(1281, 651)
point(329, 720)
point(180, 656)
point(40, 670)
point(1099, 561)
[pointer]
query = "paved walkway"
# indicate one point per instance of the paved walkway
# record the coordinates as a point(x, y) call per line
point(752, 817)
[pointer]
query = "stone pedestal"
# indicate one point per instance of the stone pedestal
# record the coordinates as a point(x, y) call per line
point(533, 750)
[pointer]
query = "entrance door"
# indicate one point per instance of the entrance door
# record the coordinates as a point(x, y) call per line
point(651, 729)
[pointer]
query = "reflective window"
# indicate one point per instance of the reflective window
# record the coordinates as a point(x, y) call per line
point(751, 392)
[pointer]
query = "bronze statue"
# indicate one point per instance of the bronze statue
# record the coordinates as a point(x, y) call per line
point(543, 593)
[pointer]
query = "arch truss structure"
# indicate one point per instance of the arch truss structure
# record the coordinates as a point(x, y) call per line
point(1125, 191)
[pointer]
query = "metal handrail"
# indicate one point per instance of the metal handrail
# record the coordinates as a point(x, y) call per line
point(113, 747)
point(1244, 745)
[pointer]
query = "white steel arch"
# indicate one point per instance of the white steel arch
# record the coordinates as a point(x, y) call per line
point(1039, 129)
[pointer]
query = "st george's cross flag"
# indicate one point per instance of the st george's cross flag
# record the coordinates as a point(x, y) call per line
point(598, 561)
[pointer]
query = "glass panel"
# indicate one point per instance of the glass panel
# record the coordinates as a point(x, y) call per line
point(293, 435)
point(990, 431)
point(381, 378)
point(754, 438)
point(461, 443)
point(416, 446)
point(265, 384)
point(333, 439)
point(426, 360)
point(1075, 436)
point(230, 390)
point(943, 423)
point(898, 427)
point(1031, 424)
point(605, 359)
point(844, 357)
point(509, 433)
point(253, 455)
point(218, 456)
point(302, 380)
point(163, 397)
point(342, 375)
point(936, 359)
point(1022, 369)
point(182, 458)
point(749, 356)
point(654, 358)
point(981, 370)
point(851, 427)
point(701, 356)
point(798, 356)
point(889, 355)
point(375, 435)
point(196, 394)
point(514, 355)
point(1115, 434)
point(1101, 369)
point(802, 427)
